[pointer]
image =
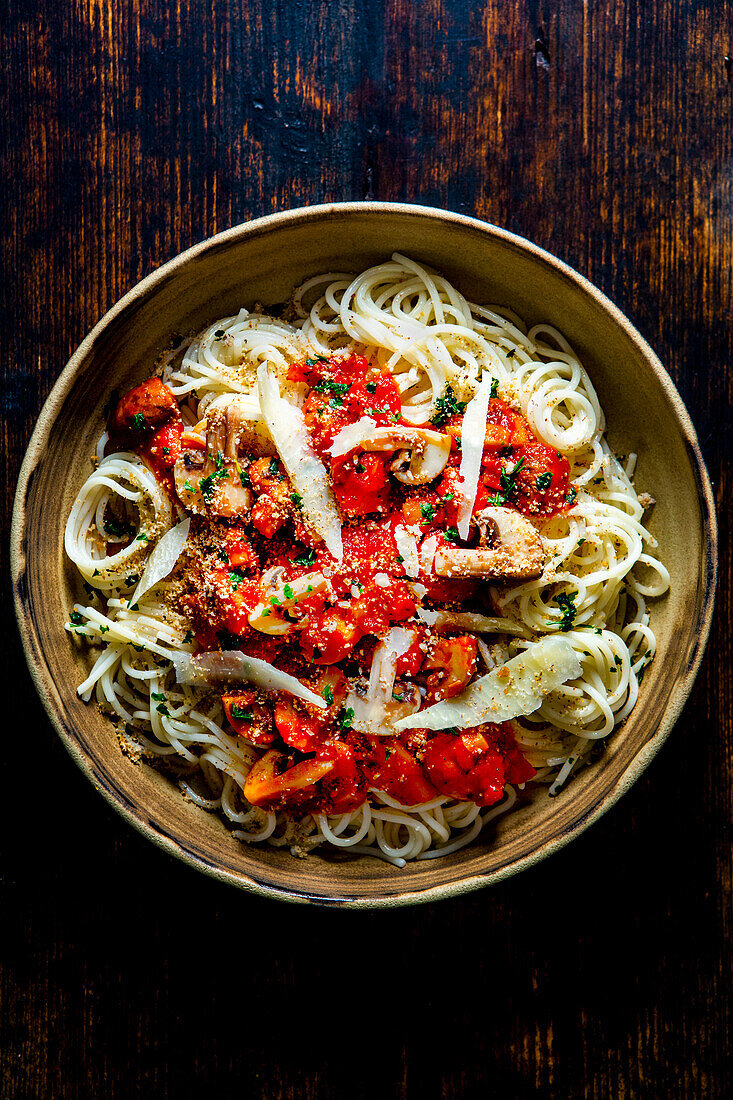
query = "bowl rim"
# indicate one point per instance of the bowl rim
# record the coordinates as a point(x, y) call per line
point(323, 212)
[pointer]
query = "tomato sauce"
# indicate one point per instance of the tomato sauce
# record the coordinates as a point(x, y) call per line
point(312, 759)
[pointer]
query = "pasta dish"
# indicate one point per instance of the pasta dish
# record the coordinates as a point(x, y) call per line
point(364, 575)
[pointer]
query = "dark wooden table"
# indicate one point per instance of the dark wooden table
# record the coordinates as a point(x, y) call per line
point(598, 128)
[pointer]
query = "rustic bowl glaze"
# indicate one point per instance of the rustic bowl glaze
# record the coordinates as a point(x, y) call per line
point(262, 261)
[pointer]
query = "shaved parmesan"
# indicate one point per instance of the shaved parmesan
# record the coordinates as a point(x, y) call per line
point(305, 470)
point(427, 553)
point(232, 665)
point(473, 434)
point(429, 617)
point(352, 435)
point(164, 556)
point(515, 688)
point(375, 711)
point(407, 549)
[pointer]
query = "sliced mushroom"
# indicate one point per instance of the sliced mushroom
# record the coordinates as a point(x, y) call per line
point(209, 481)
point(516, 549)
point(422, 453)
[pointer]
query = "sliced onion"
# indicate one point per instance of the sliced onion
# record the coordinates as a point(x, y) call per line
point(166, 553)
point(515, 688)
point(231, 665)
point(305, 470)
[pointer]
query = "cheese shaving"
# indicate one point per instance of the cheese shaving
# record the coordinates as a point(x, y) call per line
point(305, 470)
point(407, 549)
point(473, 434)
point(515, 688)
point(232, 665)
point(164, 556)
point(352, 435)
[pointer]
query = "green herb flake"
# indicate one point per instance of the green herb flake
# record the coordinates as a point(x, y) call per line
point(241, 715)
point(346, 719)
point(288, 592)
point(328, 694)
point(327, 386)
point(76, 618)
point(371, 387)
point(142, 537)
point(308, 557)
point(138, 422)
point(235, 578)
point(187, 637)
point(297, 500)
point(207, 485)
point(446, 406)
point(570, 498)
point(163, 709)
point(494, 387)
point(451, 534)
point(543, 481)
point(427, 511)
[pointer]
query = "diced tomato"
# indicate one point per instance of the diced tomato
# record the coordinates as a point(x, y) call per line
point(297, 728)
point(542, 480)
point(454, 661)
point(401, 777)
point(361, 483)
point(273, 784)
point(346, 785)
point(248, 718)
point(145, 407)
point(464, 767)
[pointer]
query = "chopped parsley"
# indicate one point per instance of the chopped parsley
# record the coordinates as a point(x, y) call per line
point(543, 481)
point(142, 537)
point(297, 500)
point(308, 557)
point(76, 618)
point(328, 694)
point(138, 422)
point(103, 629)
point(166, 450)
point(446, 406)
point(371, 387)
point(159, 696)
point(288, 591)
point(451, 533)
point(117, 528)
point(318, 359)
point(188, 487)
point(360, 468)
point(235, 578)
point(187, 637)
point(219, 334)
point(240, 714)
point(243, 476)
point(346, 719)
point(163, 709)
point(511, 353)
point(446, 498)
point(508, 484)
point(327, 386)
point(273, 469)
point(494, 387)
point(570, 498)
point(207, 485)
point(566, 602)
point(427, 510)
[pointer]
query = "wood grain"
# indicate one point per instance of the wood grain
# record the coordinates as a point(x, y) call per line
point(601, 130)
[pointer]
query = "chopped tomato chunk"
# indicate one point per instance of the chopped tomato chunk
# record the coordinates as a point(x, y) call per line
point(454, 661)
point(144, 407)
point(248, 718)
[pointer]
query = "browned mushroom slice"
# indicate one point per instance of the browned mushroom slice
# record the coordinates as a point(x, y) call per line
point(422, 453)
point(516, 549)
point(209, 481)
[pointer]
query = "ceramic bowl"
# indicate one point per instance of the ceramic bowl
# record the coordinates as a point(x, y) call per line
point(262, 261)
